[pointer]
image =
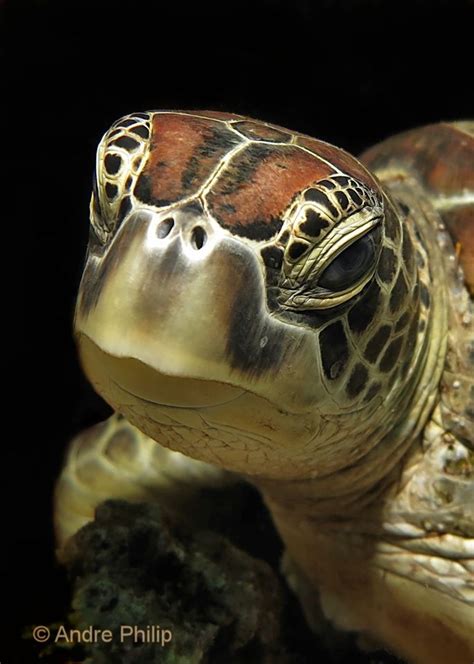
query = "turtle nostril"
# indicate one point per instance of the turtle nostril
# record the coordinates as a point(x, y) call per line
point(164, 228)
point(198, 237)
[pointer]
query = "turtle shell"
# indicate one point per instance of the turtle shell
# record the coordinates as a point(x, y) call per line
point(441, 158)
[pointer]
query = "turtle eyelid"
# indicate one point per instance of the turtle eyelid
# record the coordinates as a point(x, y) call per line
point(351, 264)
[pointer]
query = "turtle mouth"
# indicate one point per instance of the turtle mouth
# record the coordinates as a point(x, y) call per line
point(129, 377)
point(178, 406)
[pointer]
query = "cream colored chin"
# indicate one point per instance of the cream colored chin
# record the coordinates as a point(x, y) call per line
point(144, 382)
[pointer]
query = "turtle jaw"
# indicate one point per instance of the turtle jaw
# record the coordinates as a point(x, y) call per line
point(112, 376)
point(214, 422)
point(192, 313)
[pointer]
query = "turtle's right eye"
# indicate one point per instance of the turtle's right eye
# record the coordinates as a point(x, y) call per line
point(352, 264)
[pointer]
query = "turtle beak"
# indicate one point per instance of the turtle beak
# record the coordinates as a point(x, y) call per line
point(130, 377)
point(174, 311)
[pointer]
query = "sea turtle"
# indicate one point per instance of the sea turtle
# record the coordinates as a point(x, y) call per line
point(265, 303)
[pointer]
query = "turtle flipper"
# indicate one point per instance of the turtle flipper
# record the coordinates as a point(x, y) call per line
point(113, 459)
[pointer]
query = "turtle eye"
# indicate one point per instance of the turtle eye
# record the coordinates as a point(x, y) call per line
point(350, 265)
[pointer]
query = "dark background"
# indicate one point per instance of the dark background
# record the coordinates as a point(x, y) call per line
point(350, 73)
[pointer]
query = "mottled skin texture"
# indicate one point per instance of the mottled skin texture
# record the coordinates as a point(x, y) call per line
point(261, 301)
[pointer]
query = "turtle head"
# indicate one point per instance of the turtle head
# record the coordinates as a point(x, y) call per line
point(244, 299)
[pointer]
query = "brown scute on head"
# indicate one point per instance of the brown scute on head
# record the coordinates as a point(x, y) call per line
point(259, 184)
point(223, 116)
point(257, 131)
point(260, 229)
point(340, 159)
point(184, 152)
